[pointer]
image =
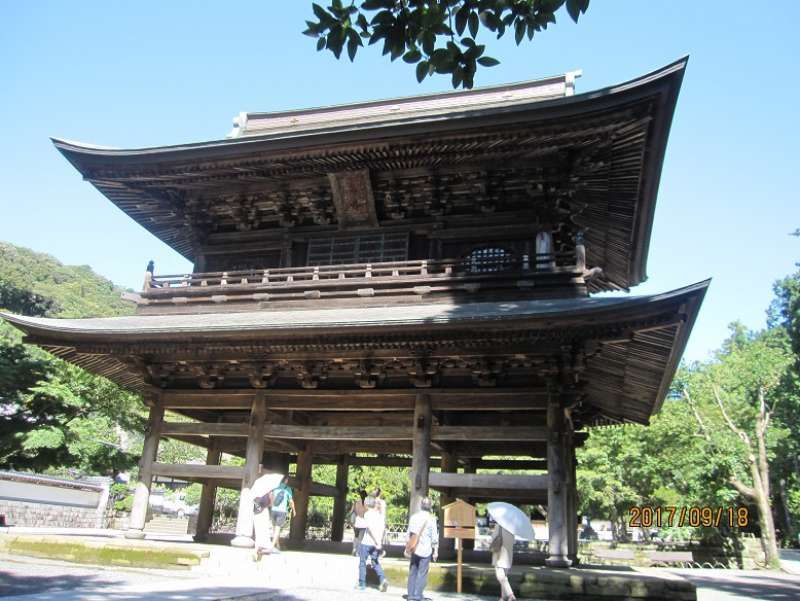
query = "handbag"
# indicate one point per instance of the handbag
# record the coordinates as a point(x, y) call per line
point(413, 540)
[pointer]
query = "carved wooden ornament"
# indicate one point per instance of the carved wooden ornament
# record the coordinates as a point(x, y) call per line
point(353, 199)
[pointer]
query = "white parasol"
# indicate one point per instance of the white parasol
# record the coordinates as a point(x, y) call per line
point(512, 519)
point(265, 483)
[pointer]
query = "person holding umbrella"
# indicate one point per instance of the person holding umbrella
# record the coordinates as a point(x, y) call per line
point(261, 492)
point(502, 547)
point(510, 523)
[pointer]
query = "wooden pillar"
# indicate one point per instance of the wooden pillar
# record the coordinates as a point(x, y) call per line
point(297, 529)
point(557, 487)
point(141, 499)
point(205, 513)
point(572, 506)
point(252, 464)
point(446, 545)
point(471, 467)
point(420, 459)
point(340, 500)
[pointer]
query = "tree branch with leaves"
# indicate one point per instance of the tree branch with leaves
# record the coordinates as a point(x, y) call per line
point(438, 36)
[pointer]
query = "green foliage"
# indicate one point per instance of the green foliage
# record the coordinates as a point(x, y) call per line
point(191, 494)
point(439, 36)
point(56, 415)
point(33, 283)
point(122, 497)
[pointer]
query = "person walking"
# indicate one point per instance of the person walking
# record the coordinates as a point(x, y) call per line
point(502, 547)
point(370, 547)
point(359, 523)
point(421, 548)
point(282, 506)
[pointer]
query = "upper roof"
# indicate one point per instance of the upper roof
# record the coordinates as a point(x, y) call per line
point(599, 152)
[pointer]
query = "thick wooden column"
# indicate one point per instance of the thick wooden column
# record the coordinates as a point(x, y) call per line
point(340, 500)
point(252, 464)
point(470, 467)
point(297, 529)
point(572, 505)
point(141, 499)
point(557, 489)
point(446, 545)
point(205, 513)
point(420, 459)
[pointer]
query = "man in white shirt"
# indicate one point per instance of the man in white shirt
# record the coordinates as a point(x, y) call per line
point(424, 538)
point(370, 546)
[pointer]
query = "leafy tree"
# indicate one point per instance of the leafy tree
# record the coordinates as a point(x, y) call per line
point(69, 418)
point(733, 400)
point(54, 415)
point(432, 34)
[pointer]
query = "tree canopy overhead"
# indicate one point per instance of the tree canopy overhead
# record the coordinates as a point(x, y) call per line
point(438, 36)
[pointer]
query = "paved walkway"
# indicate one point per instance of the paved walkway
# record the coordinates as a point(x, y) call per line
point(28, 579)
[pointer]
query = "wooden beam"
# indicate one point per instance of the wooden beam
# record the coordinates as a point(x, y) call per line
point(253, 455)
point(204, 429)
point(205, 472)
point(442, 399)
point(317, 489)
point(511, 482)
point(488, 433)
point(420, 458)
point(141, 497)
point(340, 500)
point(297, 530)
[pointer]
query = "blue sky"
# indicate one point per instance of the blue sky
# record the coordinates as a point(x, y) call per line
point(146, 73)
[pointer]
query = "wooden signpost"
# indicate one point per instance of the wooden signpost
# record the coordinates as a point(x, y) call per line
point(459, 523)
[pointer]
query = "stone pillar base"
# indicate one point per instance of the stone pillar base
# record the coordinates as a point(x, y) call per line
point(244, 542)
point(557, 561)
point(134, 534)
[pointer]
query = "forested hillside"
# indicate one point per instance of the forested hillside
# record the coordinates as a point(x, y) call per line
point(62, 290)
point(55, 416)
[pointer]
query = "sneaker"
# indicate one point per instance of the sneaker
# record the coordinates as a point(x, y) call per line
point(384, 586)
point(276, 551)
point(361, 587)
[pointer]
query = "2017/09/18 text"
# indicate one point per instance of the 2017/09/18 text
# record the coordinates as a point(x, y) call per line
point(666, 517)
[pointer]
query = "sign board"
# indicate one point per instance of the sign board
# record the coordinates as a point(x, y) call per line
point(459, 520)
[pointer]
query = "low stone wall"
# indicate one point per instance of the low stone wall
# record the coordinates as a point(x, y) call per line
point(744, 553)
point(39, 515)
point(39, 501)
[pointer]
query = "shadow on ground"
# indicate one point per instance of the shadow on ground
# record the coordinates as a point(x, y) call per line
point(760, 586)
point(64, 587)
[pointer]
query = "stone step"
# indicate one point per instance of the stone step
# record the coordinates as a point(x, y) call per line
point(165, 525)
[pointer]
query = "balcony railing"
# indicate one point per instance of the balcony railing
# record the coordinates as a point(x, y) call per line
point(362, 279)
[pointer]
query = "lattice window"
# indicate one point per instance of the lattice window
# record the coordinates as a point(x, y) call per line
point(489, 259)
point(367, 248)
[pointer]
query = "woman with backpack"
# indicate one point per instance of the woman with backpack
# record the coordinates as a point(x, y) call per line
point(282, 505)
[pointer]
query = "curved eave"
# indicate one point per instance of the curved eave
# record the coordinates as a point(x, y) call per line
point(639, 366)
point(91, 156)
point(541, 314)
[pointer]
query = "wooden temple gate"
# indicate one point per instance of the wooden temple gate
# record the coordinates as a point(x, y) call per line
point(402, 282)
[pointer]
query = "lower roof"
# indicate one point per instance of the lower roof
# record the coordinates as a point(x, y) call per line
point(640, 339)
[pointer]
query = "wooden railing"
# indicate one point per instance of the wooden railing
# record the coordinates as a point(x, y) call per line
point(362, 271)
point(366, 279)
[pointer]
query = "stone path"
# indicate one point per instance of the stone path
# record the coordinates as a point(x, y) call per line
point(27, 579)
